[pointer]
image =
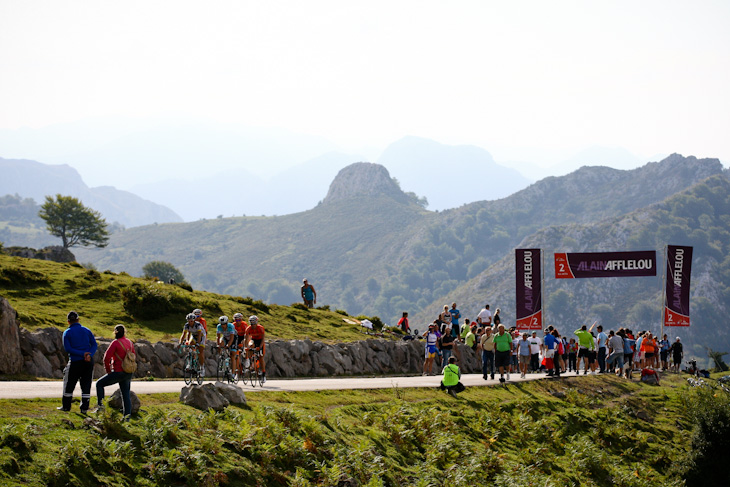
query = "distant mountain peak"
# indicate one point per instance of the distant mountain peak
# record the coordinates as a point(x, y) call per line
point(363, 179)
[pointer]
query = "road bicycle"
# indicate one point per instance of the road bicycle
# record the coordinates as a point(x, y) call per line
point(191, 366)
point(254, 372)
point(224, 372)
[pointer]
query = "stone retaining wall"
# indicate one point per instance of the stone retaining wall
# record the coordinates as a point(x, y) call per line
point(41, 354)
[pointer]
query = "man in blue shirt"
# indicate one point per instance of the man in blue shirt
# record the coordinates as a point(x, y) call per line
point(455, 315)
point(551, 342)
point(80, 344)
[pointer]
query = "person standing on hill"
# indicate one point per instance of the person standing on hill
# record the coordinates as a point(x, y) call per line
point(503, 346)
point(586, 345)
point(455, 315)
point(444, 318)
point(309, 295)
point(80, 344)
point(403, 323)
point(677, 354)
point(431, 335)
point(113, 359)
point(484, 318)
point(602, 344)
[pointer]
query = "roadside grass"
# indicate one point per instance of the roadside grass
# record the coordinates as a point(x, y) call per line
point(594, 431)
point(43, 292)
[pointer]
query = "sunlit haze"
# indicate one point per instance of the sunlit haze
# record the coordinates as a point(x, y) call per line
point(529, 81)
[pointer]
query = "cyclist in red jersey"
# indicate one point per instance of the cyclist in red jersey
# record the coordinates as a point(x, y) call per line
point(199, 318)
point(255, 340)
point(241, 327)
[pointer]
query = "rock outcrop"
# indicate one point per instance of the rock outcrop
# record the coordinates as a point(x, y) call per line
point(363, 179)
point(115, 401)
point(11, 359)
point(55, 253)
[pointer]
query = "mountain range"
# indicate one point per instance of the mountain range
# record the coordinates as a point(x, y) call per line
point(369, 247)
point(31, 179)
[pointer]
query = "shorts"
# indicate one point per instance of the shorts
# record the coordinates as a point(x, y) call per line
point(677, 359)
point(550, 353)
point(524, 359)
point(430, 351)
point(592, 356)
point(239, 341)
point(648, 355)
point(502, 359)
point(664, 354)
point(583, 352)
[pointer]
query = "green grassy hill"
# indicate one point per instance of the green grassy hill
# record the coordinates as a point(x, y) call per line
point(43, 292)
point(582, 431)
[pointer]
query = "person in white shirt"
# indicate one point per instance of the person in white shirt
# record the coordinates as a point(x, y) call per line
point(535, 348)
point(484, 318)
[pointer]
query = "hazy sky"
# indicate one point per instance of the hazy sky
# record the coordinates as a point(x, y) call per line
point(519, 78)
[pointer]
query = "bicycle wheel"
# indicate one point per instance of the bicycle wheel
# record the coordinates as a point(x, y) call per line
point(188, 369)
point(251, 372)
point(259, 373)
point(222, 369)
point(232, 375)
point(199, 372)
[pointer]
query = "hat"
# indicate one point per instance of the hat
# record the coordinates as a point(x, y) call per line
point(72, 316)
point(678, 339)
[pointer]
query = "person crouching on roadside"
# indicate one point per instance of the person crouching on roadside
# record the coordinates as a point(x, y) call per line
point(452, 374)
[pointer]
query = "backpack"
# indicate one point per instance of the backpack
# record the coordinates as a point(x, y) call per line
point(129, 364)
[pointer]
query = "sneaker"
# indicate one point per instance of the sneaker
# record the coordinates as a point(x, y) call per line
point(263, 378)
point(492, 376)
point(61, 408)
point(507, 375)
point(522, 375)
point(84, 411)
point(424, 374)
point(585, 372)
point(501, 379)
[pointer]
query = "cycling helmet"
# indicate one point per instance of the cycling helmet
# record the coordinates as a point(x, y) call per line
point(189, 317)
point(238, 316)
point(253, 320)
point(223, 320)
point(197, 312)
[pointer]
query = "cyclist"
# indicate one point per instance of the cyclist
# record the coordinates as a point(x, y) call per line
point(226, 338)
point(241, 327)
point(194, 334)
point(199, 317)
point(255, 340)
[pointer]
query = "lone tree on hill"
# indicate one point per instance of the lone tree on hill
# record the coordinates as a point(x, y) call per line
point(163, 271)
point(67, 218)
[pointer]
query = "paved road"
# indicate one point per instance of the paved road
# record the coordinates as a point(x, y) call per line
point(29, 390)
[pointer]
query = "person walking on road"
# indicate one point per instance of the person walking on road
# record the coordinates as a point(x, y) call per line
point(115, 374)
point(80, 344)
point(309, 295)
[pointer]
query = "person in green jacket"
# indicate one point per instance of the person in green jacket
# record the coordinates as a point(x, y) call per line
point(452, 374)
point(585, 344)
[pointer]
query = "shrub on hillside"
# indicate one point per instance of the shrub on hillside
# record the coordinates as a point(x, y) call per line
point(151, 301)
point(14, 276)
point(709, 411)
point(258, 304)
